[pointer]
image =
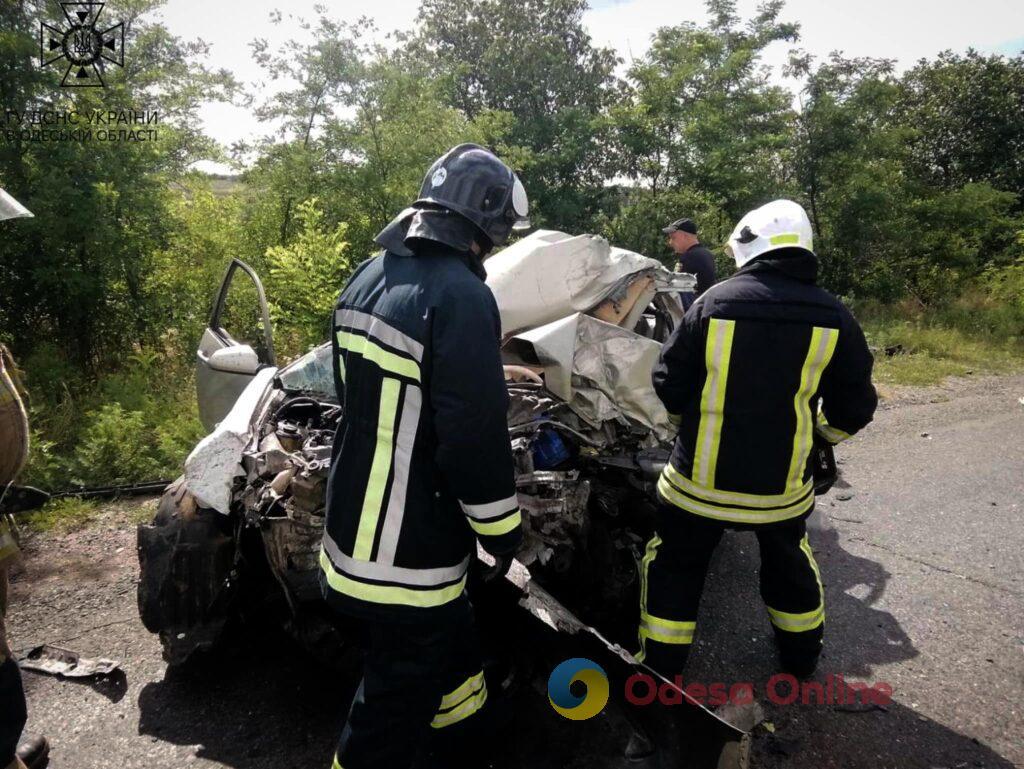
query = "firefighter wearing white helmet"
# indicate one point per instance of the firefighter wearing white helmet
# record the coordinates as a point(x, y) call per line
point(763, 366)
point(777, 225)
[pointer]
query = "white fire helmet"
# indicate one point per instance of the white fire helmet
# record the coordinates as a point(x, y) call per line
point(775, 225)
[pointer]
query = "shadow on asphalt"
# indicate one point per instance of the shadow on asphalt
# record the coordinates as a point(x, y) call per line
point(261, 703)
point(252, 708)
point(736, 646)
point(251, 705)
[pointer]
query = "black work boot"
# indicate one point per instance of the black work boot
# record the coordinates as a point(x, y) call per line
point(34, 752)
point(798, 663)
point(799, 652)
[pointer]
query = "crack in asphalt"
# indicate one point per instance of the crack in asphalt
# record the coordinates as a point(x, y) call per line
point(913, 559)
point(92, 630)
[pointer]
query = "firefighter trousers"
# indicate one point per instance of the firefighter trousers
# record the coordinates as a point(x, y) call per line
point(422, 690)
point(672, 577)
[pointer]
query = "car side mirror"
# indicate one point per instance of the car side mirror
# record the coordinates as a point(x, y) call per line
point(237, 359)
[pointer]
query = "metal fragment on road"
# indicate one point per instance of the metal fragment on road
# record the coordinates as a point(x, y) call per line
point(65, 663)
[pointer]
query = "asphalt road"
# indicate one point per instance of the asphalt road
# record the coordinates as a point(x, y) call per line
point(921, 558)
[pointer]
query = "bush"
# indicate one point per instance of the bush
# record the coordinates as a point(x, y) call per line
point(176, 436)
point(305, 279)
point(46, 468)
point(115, 447)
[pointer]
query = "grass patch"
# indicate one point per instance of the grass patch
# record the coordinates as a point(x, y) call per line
point(143, 512)
point(927, 354)
point(61, 515)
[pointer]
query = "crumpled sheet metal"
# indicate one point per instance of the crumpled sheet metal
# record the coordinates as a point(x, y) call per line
point(602, 371)
point(216, 460)
point(550, 275)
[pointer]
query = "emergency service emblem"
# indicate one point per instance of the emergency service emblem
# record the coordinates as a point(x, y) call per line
point(83, 45)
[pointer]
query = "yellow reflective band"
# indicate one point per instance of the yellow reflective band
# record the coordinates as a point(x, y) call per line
point(666, 631)
point(831, 434)
point(819, 353)
point(787, 237)
point(389, 594)
point(649, 556)
point(468, 687)
point(710, 510)
point(805, 545)
point(462, 712)
point(341, 368)
point(684, 484)
point(496, 528)
point(389, 361)
point(336, 764)
point(801, 622)
point(712, 400)
point(797, 623)
point(379, 470)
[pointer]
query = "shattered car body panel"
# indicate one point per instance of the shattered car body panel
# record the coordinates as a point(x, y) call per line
point(214, 463)
point(602, 371)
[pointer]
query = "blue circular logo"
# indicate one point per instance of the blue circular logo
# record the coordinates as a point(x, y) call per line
point(572, 706)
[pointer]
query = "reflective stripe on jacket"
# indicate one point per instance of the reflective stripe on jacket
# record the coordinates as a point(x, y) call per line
point(422, 459)
point(746, 373)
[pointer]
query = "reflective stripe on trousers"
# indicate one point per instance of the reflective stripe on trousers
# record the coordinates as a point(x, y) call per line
point(658, 629)
point(802, 621)
point(465, 700)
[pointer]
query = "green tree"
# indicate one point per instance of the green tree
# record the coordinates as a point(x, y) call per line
point(77, 273)
point(535, 61)
point(324, 76)
point(304, 280)
point(360, 145)
point(700, 113)
point(967, 111)
point(849, 160)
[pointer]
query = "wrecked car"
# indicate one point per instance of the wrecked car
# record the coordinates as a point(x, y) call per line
point(582, 325)
point(239, 534)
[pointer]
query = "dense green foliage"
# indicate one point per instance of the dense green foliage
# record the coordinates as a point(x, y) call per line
point(913, 180)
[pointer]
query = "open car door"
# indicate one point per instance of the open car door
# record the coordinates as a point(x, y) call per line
point(226, 364)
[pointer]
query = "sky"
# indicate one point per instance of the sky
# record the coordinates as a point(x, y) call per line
point(904, 30)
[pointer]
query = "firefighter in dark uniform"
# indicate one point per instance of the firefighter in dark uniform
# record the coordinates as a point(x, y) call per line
point(422, 466)
point(763, 365)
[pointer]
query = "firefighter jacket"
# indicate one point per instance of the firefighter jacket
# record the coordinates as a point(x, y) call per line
point(744, 375)
point(422, 460)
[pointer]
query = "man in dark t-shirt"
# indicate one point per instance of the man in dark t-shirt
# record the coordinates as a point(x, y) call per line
point(693, 257)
